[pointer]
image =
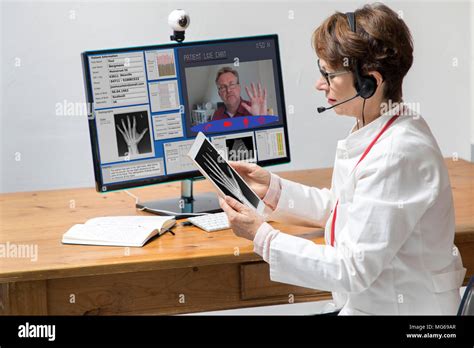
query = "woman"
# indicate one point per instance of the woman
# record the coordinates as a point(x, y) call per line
point(388, 217)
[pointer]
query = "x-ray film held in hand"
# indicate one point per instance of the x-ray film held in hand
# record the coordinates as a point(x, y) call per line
point(227, 181)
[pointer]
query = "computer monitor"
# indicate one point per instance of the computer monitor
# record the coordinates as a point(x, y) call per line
point(147, 104)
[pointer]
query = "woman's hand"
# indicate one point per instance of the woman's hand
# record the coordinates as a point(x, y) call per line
point(243, 220)
point(255, 176)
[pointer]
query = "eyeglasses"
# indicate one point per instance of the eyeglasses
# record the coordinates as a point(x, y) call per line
point(329, 75)
point(223, 88)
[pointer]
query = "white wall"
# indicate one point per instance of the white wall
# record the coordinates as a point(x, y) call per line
point(42, 150)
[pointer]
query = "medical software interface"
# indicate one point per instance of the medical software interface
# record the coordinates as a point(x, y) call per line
point(150, 103)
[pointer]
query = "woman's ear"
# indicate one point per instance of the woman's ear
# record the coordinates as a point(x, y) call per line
point(378, 77)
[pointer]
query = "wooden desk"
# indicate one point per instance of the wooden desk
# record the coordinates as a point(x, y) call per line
point(192, 271)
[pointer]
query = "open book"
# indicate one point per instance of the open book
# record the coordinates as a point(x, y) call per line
point(133, 231)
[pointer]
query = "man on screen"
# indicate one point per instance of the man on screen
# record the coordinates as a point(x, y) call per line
point(228, 88)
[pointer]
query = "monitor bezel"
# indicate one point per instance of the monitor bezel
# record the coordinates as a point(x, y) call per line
point(195, 175)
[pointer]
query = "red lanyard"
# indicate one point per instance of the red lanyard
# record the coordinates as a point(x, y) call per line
point(333, 223)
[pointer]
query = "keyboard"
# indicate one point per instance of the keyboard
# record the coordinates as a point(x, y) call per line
point(211, 222)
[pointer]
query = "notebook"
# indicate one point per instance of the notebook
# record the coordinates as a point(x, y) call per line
point(132, 231)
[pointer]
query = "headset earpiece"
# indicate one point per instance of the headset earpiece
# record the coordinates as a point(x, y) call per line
point(365, 85)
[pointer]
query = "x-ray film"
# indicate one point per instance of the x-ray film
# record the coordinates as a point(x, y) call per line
point(215, 168)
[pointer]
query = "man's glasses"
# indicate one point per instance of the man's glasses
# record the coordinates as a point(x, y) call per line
point(329, 75)
point(230, 87)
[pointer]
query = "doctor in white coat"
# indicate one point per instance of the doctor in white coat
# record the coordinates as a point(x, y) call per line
point(388, 216)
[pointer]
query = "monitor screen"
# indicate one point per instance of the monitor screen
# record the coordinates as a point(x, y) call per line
point(147, 104)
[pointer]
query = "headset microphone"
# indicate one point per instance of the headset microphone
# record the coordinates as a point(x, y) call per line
point(322, 108)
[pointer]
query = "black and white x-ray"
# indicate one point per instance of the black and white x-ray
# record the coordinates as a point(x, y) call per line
point(132, 133)
point(240, 149)
point(216, 169)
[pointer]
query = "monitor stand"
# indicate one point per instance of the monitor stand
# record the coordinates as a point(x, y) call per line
point(185, 206)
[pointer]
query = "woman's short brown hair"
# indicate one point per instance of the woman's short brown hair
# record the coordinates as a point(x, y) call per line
point(382, 43)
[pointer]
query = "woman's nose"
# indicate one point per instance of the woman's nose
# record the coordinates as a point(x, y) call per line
point(321, 84)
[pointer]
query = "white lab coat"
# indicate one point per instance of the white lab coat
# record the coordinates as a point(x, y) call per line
point(394, 251)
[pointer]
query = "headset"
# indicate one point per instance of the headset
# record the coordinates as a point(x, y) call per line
point(365, 85)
